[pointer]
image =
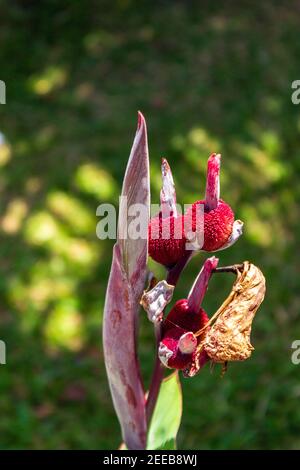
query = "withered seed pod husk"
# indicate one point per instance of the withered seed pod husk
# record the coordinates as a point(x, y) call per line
point(228, 338)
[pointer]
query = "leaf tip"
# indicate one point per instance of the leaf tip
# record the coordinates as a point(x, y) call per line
point(141, 120)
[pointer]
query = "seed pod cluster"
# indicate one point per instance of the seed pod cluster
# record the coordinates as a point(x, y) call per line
point(213, 229)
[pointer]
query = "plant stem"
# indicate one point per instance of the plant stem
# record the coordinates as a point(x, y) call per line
point(158, 372)
point(229, 269)
point(157, 377)
point(175, 272)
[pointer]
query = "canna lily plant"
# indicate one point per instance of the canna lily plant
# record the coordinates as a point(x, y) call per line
point(187, 337)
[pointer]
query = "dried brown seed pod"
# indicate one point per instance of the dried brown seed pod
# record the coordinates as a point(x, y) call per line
point(228, 338)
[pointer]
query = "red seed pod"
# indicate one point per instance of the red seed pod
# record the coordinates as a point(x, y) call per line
point(218, 224)
point(166, 240)
point(170, 352)
point(218, 215)
point(178, 342)
point(166, 230)
point(182, 316)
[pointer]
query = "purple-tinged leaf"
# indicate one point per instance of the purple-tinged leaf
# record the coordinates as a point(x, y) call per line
point(135, 201)
point(125, 288)
point(200, 285)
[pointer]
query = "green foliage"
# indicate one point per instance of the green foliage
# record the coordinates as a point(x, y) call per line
point(208, 76)
point(167, 415)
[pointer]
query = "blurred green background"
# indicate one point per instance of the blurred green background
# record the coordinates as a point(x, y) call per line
point(208, 76)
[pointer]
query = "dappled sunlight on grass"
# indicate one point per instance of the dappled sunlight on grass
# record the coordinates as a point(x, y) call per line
point(196, 146)
point(95, 41)
point(64, 326)
point(45, 137)
point(246, 169)
point(14, 216)
point(258, 230)
point(200, 138)
point(193, 150)
point(267, 166)
point(78, 251)
point(92, 179)
point(155, 179)
point(22, 147)
point(208, 79)
point(85, 91)
point(52, 78)
point(33, 185)
point(42, 229)
point(72, 211)
point(5, 152)
point(47, 281)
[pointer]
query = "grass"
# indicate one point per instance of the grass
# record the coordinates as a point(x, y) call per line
point(209, 77)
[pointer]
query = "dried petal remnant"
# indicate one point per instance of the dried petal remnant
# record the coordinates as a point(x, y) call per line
point(155, 300)
point(228, 339)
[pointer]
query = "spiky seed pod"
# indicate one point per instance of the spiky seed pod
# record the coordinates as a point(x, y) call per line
point(218, 215)
point(218, 224)
point(166, 239)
